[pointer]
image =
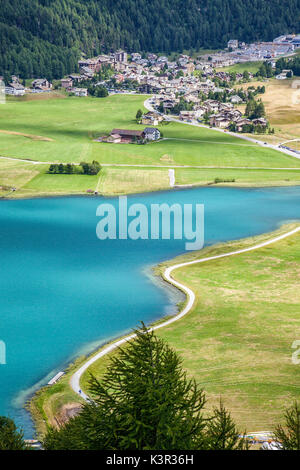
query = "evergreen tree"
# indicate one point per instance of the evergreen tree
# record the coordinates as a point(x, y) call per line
point(222, 433)
point(139, 115)
point(289, 434)
point(144, 401)
point(10, 437)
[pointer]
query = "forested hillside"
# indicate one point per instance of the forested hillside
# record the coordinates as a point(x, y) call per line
point(46, 37)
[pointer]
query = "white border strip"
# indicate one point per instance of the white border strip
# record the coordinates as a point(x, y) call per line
point(75, 378)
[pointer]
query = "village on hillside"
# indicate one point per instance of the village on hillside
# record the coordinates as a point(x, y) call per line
point(193, 89)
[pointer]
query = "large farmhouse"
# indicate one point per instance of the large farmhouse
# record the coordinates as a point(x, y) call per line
point(127, 136)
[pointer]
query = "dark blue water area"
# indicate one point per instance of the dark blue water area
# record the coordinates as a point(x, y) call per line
point(63, 292)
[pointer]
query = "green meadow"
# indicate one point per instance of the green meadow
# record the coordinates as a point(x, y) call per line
point(241, 67)
point(241, 177)
point(63, 129)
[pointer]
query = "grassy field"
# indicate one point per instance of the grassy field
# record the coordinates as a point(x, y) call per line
point(46, 183)
point(237, 339)
point(115, 181)
point(243, 177)
point(73, 123)
point(240, 68)
point(282, 104)
point(14, 173)
point(59, 129)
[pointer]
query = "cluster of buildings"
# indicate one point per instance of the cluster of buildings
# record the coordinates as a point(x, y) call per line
point(228, 115)
point(40, 85)
point(239, 51)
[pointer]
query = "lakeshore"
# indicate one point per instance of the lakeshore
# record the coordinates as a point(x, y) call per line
point(130, 169)
point(73, 222)
point(62, 393)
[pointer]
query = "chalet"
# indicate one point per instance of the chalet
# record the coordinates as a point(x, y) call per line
point(41, 84)
point(219, 121)
point(169, 104)
point(120, 56)
point(233, 44)
point(151, 133)
point(212, 105)
point(66, 83)
point(152, 118)
point(76, 78)
point(87, 72)
point(112, 139)
point(93, 65)
point(127, 136)
point(260, 122)
point(187, 115)
point(135, 56)
point(15, 89)
point(241, 123)
point(79, 91)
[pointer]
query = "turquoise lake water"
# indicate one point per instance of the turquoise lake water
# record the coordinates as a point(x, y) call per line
point(63, 291)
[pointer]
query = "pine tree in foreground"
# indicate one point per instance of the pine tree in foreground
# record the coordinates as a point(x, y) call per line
point(222, 433)
point(144, 401)
point(289, 434)
point(10, 437)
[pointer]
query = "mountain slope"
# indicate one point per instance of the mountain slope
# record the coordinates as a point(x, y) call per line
point(45, 37)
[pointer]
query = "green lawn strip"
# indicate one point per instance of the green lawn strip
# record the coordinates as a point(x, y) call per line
point(57, 183)
point(247, 176)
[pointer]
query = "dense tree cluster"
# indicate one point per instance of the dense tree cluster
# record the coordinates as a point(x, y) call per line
point(98, 91)
point(69, 169)
point(46, 37)
point(255, 109)
point(292, 64)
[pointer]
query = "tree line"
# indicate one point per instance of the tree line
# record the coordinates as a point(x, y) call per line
point(47, 37)
point(69, 169)
point(145, 401)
